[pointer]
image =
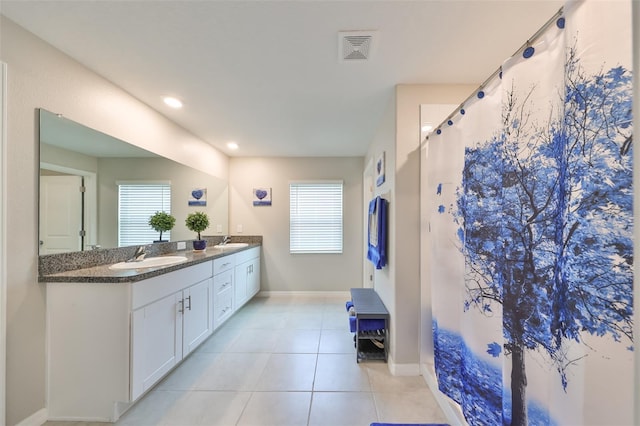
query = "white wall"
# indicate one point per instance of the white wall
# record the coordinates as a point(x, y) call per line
point(282, 271)
point(3, 239)
point(51, 154)
point(41, 76)
point(399, 283)
point(384, 141)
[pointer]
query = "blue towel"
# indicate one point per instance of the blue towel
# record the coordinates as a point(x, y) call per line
point(377, 235)
point(366, 324)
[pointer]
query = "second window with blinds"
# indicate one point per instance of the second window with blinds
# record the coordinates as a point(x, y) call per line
point(315, 217)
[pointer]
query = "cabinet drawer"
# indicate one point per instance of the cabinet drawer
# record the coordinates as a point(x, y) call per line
point(222, 282)
point(222, 264)
point(246, 255)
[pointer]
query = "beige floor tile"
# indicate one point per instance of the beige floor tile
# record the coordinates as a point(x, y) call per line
point(339, 321)
point(187, 374)
point(382, 380)
point(337, 307)
point(337, 342)
point(221, 340)
point(233, 371)
point(192, 408)
point(342, 409)
point(298, 342)
point(216, 408)
point(239, 321)
point(340, 372)
point(408, 407)
point(298, 303)
point(158, 407)
point(288, 372)
point(276, 409)
point(304, 321)
point(252, 340)
point(259, 320)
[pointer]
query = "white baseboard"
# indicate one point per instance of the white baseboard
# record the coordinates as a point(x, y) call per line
point(344, 294)
point(449, 408)
point(38, 418)
point(403, 369)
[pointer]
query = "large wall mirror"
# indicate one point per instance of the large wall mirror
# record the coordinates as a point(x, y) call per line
point(73, 156)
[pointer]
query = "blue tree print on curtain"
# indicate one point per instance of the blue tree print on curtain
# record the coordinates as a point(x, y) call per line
point(547, 219)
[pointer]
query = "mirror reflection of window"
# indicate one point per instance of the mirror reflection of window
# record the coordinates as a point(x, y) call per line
point(137, 202)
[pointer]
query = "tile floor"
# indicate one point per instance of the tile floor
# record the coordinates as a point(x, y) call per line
point(283, 360)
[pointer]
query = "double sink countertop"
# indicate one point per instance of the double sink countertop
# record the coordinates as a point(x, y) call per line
point(103, 274)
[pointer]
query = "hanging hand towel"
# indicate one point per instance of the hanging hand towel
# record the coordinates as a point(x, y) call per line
point(377, 235)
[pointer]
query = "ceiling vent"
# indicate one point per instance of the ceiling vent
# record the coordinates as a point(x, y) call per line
point(355, 46)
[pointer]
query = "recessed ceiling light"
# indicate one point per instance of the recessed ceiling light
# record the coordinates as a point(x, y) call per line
point(427, 128)
point(232, 145)
point(173, 102)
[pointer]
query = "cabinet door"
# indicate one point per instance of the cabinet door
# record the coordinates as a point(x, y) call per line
point(240, 285)
point(156, 341)
point(253, 278)
point(198, 314)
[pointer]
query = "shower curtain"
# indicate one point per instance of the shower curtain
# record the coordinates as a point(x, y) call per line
point(531, 231)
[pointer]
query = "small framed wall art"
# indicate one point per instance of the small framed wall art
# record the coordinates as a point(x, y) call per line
point(198, 197)
point(262, 196)
point(380, 169)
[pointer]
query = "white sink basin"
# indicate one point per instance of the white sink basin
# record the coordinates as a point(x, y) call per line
point(230, 246)
point(150, 262)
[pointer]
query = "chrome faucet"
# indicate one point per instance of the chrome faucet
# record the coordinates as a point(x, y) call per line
point(139, 255)
point(225, 240)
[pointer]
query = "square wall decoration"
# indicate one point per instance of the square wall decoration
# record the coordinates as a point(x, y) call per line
point(262, 196)
point(380, 170)
point(198, 197)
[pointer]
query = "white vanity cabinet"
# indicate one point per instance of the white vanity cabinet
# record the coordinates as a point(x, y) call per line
point(108, 343)
point(166, 325)
point(247, 275)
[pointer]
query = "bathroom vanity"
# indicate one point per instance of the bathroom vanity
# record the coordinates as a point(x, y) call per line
point(112, 335)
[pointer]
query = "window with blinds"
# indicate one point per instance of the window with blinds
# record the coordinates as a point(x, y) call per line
point(137, 202)
point(315, 217)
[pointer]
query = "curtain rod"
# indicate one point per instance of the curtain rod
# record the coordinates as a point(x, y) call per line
point(528, 43)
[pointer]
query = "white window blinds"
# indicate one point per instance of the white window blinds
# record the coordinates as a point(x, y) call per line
point(315, 217)
point(136, 203)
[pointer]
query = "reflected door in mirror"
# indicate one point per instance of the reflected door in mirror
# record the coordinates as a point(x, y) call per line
point(60, 214)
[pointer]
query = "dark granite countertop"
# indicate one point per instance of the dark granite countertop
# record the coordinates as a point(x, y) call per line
point(102, 273)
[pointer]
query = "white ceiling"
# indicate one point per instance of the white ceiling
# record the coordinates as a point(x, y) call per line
point(267, 74)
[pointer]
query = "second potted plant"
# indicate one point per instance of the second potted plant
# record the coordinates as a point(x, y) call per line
point(198, 222)
point(161, 222)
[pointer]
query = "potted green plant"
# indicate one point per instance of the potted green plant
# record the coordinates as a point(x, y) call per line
point(161, 222)
point(198, 222)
